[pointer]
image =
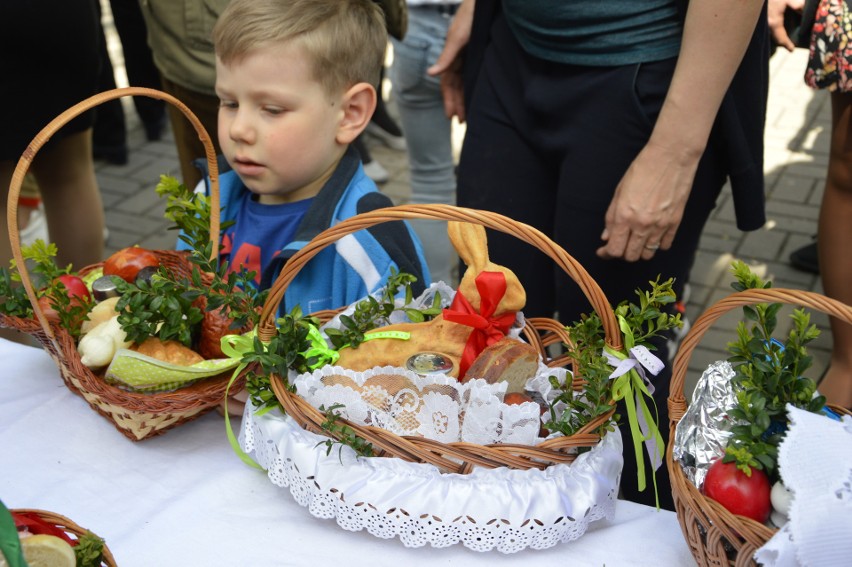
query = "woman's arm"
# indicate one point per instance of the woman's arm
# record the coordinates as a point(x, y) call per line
point(650, 199)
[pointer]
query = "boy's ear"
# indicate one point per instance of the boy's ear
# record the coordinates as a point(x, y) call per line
point(358, 104)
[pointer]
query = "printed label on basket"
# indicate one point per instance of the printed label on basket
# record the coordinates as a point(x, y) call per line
point(141, 373)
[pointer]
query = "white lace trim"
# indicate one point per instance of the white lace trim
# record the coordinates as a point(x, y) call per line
point(503, 509)
point(436, 407)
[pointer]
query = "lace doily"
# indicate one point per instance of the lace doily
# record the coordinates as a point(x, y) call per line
point(504, 509)
point(436, 407)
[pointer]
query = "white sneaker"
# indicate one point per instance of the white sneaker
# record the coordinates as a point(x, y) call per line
point(376, 172)
point(36, 228)
point(388, 139)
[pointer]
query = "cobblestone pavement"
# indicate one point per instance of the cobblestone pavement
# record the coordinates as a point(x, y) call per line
point(796, 156)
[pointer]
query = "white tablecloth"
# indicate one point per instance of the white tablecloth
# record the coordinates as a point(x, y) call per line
point(185, 499)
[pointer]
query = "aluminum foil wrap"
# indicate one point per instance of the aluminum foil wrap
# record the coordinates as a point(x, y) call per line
point(702, 434)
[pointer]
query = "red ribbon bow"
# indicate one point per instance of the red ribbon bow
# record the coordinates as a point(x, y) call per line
point(487, 329)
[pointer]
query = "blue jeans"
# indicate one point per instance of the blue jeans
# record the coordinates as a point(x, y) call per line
point(427, 131)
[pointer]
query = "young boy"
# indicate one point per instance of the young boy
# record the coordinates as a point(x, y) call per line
point(296, 83)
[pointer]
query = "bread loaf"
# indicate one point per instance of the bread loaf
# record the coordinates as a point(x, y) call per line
point(169, 351)
point(509, 360)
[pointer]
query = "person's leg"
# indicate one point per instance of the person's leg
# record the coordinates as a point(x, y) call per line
point(427, 131)
point(501, 170)
point(189, 147)
point(382, 124)
point(139, 64)
point(72, 199)
point(109, 137)
point(835, 234)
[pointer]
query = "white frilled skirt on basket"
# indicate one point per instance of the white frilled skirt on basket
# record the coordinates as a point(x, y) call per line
point(501, 508)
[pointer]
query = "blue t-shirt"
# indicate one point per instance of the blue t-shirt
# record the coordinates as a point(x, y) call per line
point(597, 33)
point(260, 232)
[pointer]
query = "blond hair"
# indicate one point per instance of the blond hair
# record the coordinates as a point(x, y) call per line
point(344, 39)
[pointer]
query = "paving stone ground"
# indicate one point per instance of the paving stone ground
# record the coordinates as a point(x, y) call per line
point(797, 131)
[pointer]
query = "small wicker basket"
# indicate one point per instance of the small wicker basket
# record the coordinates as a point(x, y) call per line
point(540, 332)
point(69, 527)
point(136, 415)
point(715, 535)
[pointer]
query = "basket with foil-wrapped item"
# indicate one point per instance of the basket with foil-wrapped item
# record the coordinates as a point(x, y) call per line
point(702, 430)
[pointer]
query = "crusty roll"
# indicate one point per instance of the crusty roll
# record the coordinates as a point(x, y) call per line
point(172, 352)
point(509, 360)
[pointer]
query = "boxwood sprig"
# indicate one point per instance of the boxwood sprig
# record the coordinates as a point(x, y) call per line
point(768, 376)
point(646, 319)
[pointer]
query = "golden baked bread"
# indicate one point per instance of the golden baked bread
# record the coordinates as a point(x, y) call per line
point(508, 360)
point(442, 334)
point(436, 335)
point(172, 352)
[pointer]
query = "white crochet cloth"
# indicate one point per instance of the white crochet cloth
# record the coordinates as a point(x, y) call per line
point(503, 509)
point(815, 461)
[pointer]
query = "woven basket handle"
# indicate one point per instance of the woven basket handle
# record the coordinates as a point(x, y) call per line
point(524, 232)
point(833, 307)
point(44, 135)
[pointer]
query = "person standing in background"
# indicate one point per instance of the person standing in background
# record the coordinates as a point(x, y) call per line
point(428, 132)
point(51, 60)
point(830, 68)
point(612, 127)
point(110, 130)
point(179, 35)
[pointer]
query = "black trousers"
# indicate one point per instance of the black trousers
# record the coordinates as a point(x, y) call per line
point(547, 144)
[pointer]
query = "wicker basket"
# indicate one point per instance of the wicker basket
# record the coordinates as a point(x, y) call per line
point(540, 332)
point(69, 527)
point(136, 415)
point(716, 536)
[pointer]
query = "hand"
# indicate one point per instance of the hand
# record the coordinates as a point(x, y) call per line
point(775, 16)
point(449, 63)
point(648, 204)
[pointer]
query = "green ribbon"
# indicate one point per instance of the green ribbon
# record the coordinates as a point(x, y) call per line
point(324, 354)
point(631, 386)
point(10, 543)
point(235, 346)
point(371, 335)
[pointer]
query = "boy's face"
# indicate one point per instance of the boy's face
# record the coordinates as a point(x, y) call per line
point(277, 126)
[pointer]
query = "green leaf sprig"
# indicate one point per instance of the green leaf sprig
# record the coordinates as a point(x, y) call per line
point(646, 320)
point(167, 306)
point(162, 307)
point(768, 376)
point(285, 351)
point(41, 258)
point(341, 434)
point(235, 292)
point(89, 550)
point(371, 312)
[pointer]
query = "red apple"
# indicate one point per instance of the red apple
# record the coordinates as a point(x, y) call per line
point(75, 286)
point(738, 492)
point(127, 262)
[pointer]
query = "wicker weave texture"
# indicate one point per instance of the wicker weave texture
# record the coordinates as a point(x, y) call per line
point(137, 416)
point(69, 527)
point(714, 535)
point(451, 457)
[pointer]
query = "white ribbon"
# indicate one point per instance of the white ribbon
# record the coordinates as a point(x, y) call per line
point(640, 359)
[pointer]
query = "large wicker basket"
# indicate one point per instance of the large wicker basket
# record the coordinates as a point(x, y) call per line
point(541, 332)
point(136, 415)
point(715, 535)
point(69, 527)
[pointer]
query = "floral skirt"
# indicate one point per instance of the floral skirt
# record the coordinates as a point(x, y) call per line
point(830, 60)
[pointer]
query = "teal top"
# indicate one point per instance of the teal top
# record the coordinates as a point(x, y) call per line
point(598, 33)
